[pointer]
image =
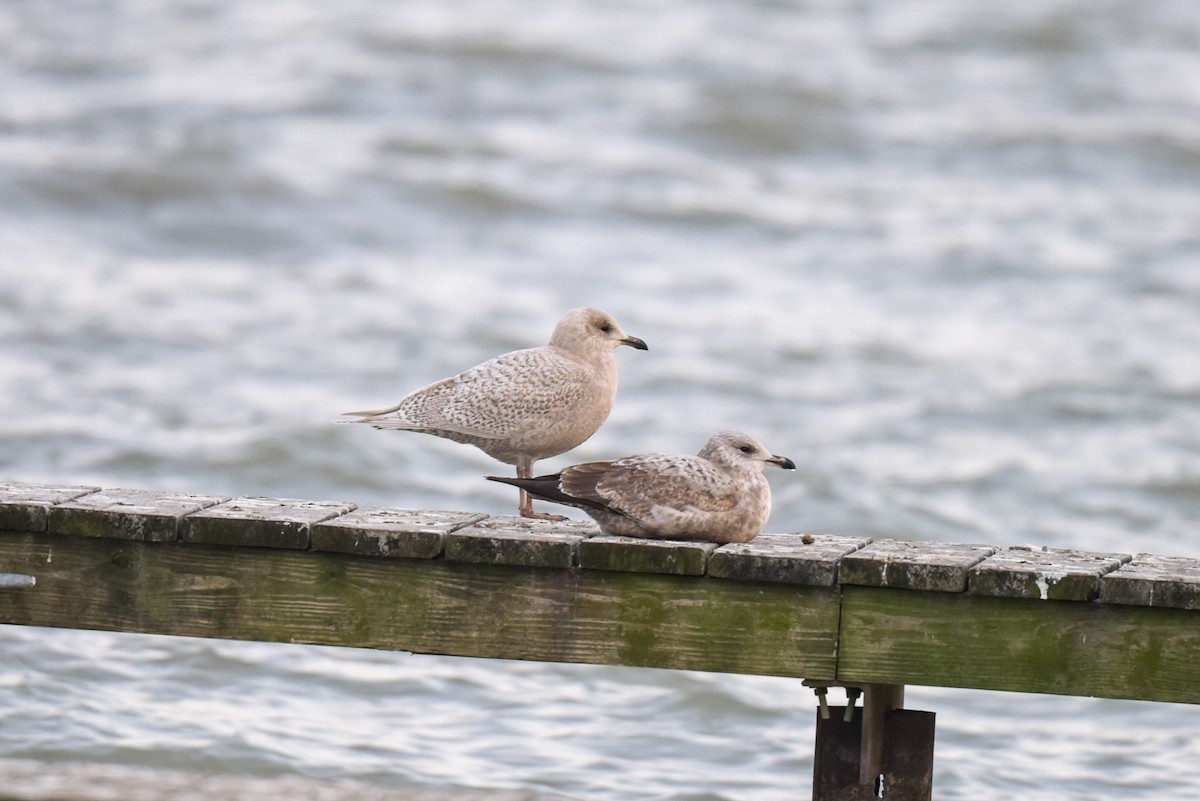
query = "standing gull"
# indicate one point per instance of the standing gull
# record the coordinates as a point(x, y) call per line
point(719, 495)
point(525, 405)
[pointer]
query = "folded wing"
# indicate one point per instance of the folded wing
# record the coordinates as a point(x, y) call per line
point(501, 398)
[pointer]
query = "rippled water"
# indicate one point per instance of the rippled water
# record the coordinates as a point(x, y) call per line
point(946, 258)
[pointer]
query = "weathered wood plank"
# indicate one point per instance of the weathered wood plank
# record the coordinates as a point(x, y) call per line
point(513, 588)
point(905, 564)
point(261, 522)
point(1055, 574)
point(424, 606)
point(1149, 580)
point(784, 558)
point(519, 541)
point(1020, 645)
point(24, 506)
point(127, 514)
point(634, 555)
point(391, 533)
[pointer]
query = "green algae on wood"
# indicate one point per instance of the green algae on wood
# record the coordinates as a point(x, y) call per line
point(509, 588)
point(634, 555)
point(391, 533)
point(1055, 574)
point(1020, 645)
point(1149, 580)
point(261, 522)
point(423, 606)
point(24, 506)
point(906, 564)
point(784, 559)
point(127, 514)
point(520, 542)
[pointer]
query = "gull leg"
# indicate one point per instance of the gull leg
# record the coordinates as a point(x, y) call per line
point(525, 470)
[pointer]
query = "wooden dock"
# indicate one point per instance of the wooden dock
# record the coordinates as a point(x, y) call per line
point(850, 612)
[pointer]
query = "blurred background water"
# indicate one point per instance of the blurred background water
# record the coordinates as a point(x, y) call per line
point(944, 255)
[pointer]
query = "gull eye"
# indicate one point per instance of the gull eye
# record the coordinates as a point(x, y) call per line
point(606, 328)
point(746, 449)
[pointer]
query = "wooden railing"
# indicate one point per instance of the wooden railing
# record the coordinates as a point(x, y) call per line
point(867, 615)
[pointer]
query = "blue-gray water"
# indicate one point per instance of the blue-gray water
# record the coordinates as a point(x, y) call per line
point(945, 255)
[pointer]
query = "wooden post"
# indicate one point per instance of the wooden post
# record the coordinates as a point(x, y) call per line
point(882, 751)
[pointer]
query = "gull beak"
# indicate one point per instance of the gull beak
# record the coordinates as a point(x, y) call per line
point(782, 461)
point(634, 342)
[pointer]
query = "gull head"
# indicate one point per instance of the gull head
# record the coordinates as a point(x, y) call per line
point(586, 330)
point(735, 449)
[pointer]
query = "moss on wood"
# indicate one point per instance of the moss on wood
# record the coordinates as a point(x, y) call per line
point(392, 533)
point(1149, 580)
point(632, 555)
point(1066, 648)
point(424, 606)
point(905, 564)
point(785, 559)
point(1054, 574)
point(518, 541)
point(25, 506)
point(260, 522)
point(127, 514)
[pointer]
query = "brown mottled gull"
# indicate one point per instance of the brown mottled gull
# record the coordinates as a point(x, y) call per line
point(719, 495)
point(525, 405)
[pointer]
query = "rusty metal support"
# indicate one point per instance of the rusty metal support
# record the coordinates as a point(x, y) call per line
point(880, 700)
point(884, 752)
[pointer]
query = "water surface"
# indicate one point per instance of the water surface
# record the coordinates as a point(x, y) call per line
point(944, 258)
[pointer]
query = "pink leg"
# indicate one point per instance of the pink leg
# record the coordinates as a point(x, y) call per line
point(525, 470)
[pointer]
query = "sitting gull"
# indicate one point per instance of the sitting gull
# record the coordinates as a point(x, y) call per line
point(525, 405)
point(720, 495)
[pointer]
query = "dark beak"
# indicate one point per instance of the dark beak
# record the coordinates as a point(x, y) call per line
point(634, 342)
point(783, 461)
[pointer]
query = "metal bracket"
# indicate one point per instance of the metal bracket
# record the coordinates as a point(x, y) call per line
point(854, 691)
point(878, 701)
point(16, 581)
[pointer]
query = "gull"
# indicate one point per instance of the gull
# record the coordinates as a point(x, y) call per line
point(525, 405)
point(719, 495)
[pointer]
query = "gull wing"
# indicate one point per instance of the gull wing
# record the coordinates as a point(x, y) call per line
point(500, 398)
point(641, 486)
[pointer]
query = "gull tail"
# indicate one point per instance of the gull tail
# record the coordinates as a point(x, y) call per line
point(364, 416)
point(547, 489)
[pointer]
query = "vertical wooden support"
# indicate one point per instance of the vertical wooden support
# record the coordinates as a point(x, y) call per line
point(881, 751)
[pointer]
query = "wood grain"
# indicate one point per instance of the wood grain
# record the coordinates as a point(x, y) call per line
point(24, 506)
point(261, 522)
point(1051, 574)
point(127, 514)
point(630, 554)
point(1149, 580)
point(905, 564)
point(390, 533)
point(423, 606)
point(1065, 648)
point(785, 558)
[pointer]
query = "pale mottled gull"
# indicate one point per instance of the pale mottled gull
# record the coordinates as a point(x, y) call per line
point(523, 406)
point(719, 495)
